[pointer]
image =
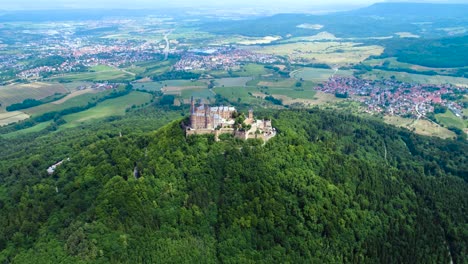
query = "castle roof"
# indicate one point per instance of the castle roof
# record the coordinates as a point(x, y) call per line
point(222, 108)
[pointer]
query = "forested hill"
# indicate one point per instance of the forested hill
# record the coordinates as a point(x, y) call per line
point(329, 188)
point(378, 20)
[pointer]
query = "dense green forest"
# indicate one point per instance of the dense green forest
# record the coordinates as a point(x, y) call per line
point(329, 188)
point(437, 53)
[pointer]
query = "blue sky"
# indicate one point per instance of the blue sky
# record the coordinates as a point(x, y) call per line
point(264, 4)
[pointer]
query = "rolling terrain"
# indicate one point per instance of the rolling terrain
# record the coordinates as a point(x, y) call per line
point(368, 164)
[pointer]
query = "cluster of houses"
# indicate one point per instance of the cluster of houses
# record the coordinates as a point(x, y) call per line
point(220, 59)
point(394, 97)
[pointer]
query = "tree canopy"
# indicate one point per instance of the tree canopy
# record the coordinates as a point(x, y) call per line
point(329, 188)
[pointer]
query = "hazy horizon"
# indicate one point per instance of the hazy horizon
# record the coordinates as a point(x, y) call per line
point(144, 4)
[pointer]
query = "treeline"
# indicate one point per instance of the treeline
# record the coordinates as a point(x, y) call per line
point(54, 60)
point(329, 188)
point(176, 75)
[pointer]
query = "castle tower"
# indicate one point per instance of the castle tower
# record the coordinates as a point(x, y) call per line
point(251, 117)
point(208, 121)
point(192, 105)
point(193, 119)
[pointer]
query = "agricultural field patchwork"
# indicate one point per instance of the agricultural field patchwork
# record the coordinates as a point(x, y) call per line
point(74, 94)
point(422, 127)
point(239, 81)
point(204, 93)
point(416, 78)
point(332, 53)
point(111, 107)
point(318, 75)
point(148, 86)
point(12, 117)
point(393, 63)
point(238, 94)
point(76, 101)
point(17, 93)
point(97, 73)
point(251, 69)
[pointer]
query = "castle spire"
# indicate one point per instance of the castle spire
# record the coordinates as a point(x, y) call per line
point(192, 106)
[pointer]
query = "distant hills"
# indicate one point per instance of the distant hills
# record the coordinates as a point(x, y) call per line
point(407, 10)
point(377, 20)
point(415, 10)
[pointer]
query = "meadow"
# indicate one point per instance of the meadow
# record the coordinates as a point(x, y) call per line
point(448, 119)
point(148, 86)
point(150, 68)
point(294, 94)
point(80, 100)
point(204, 93)
point(250, 70)
point(96, 74)
point(239, 81)
point(111, 107)
point(318, 75)
point(37, 128)
point(239, 94)
point(73, 95)
point(421, 126)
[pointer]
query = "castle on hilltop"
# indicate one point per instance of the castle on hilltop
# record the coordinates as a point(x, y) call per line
point(205, 117)
point(222, 120)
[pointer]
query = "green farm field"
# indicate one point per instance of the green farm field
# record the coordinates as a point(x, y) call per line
point(184, 83)
point(236, 93)
point(37, 128)
point(80, 100)
point(97, 73)
point(318, 75)
point(448, 119)
point(148, 86)
point(197, 93)
point(294, 94)
point(393, 63)
point(150, 68)
point(239, 81)
point(251, 69)
point(111, 107)
point(341, 53)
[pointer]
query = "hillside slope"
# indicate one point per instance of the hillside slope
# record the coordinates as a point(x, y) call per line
point(329, 188)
